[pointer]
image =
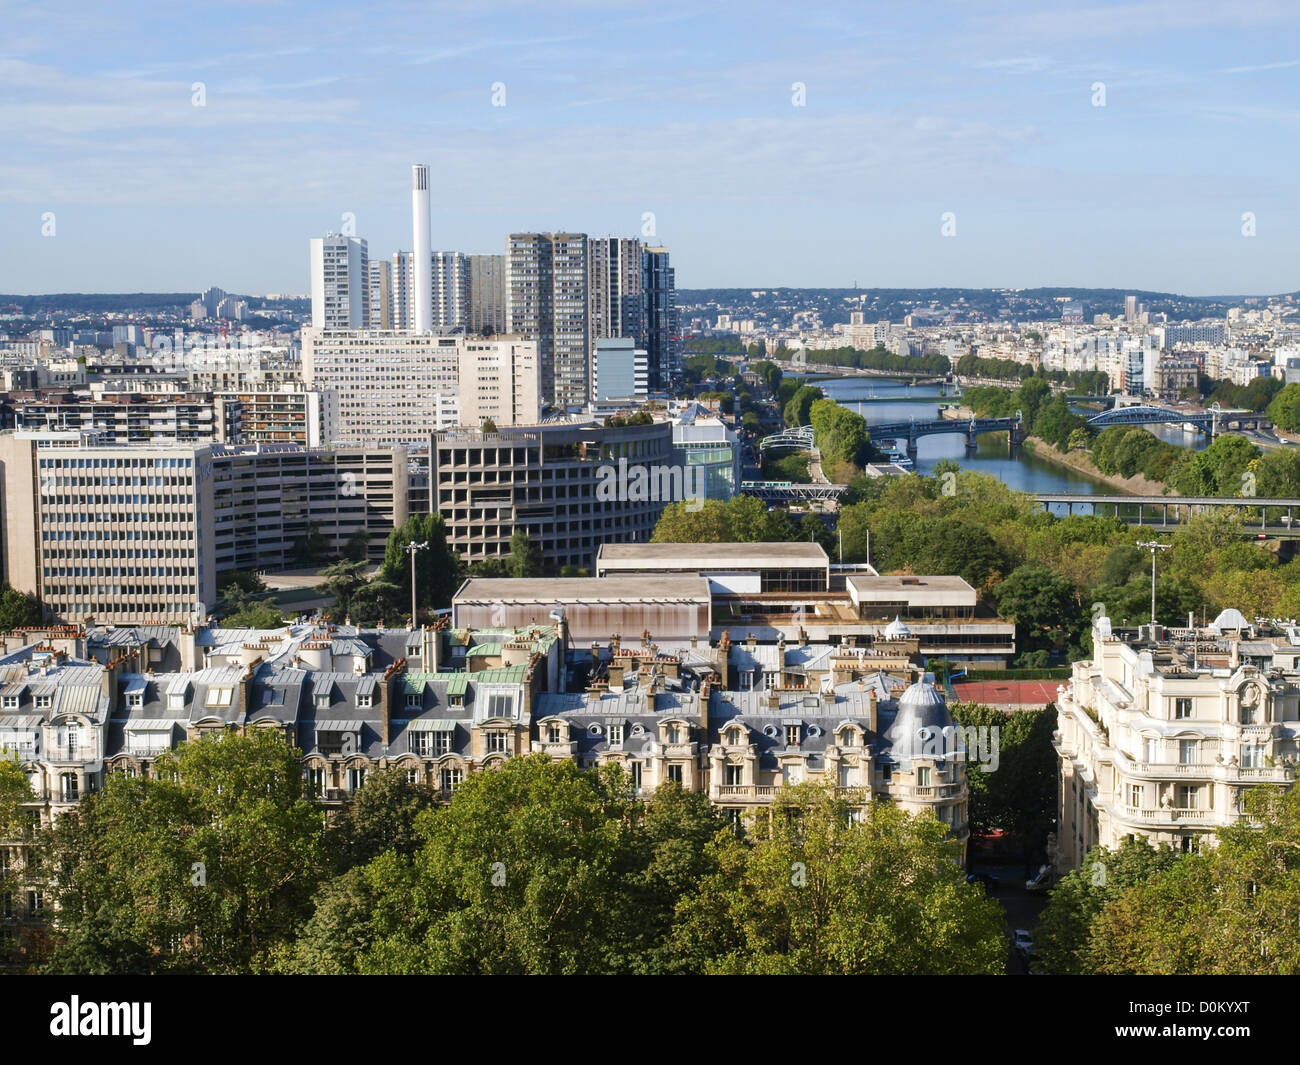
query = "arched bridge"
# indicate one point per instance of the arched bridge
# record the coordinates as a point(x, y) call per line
point(913, 430)
point(1210, 422)
point(799, 438)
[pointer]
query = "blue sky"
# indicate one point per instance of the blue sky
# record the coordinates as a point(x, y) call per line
point(613, 109)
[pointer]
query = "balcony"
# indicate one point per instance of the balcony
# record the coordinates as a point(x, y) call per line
point(752, 792)
point(1171, 816)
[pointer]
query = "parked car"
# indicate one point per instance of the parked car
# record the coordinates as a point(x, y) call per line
point(1023, 942)
point(989, 881)
point(1041, 880)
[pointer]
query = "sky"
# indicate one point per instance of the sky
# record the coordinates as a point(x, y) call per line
point(1146, 145)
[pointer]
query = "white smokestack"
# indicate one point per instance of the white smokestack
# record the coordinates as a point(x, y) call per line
point(422, 268)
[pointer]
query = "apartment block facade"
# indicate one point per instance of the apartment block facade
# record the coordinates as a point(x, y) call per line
point(547, 300)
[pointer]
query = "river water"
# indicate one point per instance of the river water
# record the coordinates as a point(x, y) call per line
point(881, 401)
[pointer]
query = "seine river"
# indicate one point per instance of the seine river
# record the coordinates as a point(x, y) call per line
point(894, 401)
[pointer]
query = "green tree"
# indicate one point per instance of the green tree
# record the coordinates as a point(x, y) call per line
point(1284, 410)
point(379, 600)
point(436, 567)
point(810, 891)
point(312, 547)
point(357, 547)
point(342, 580)
point(18, 610)
point(488, 426)
point(1065, 928)
point(207, 868)
point(524, 559)
point(381, 817)
point(1043, 604)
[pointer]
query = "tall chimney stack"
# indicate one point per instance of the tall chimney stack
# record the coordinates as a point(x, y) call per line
point(422, 252)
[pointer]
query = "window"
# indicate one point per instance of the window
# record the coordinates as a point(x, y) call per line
point(554, 733)
point(220, 696)
point(35, 902)
point(792, 733)
point(422, 744)
point(1252, 756)
point(675, 773)
point(923, 776)
point(44, 702)
point(1182, 708)
point(1151, 750)
point(322, 700)
point(451, 779)
point(68, 787)
point(616, 735)
point(886, 772)
point(10, 702)
point(74, 740)
point(316, 780)
point(1135, 796)
point(735, 775)
point(674, 734)
point(365, 700)
point(496, 742)
point(848, 776)
point(1186, 752)
point(1187, 797)
point(501, 705)
point(356, 777)
point(848, 738)
point(413, 776)
point(414, 700)
point(635, 768)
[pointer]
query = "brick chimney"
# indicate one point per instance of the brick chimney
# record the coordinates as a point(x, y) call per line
point(387, 685)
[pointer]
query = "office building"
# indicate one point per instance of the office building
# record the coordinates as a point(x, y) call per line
point(340, 283)
point(614, 286)
point(660, 328)
point(395, 387)
point(381, 294)
point(450, 300)
point(487, 294)
point(619, 371)
point(547, 301)
point(571, 488)
point(136, 534)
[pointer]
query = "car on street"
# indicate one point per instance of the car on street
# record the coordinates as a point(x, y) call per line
point(1041, 880)
point(1023, 942)
point(989, 881)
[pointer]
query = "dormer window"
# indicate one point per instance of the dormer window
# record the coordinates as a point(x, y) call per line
point(674, 734)
point(44, 702)
point(502, 705)
point(615, 735)
point(735, 737)
point(220, 696)
point(9, 702)
point(456, 700)
point(414, 700)
point(792, 735)
point(554, 734)
point(322, 700)
point(848, 738)
point(365, 700)
point(135, 699)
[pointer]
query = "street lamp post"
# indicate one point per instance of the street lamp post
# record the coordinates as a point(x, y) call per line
point(411, 549)
point(1154, 545)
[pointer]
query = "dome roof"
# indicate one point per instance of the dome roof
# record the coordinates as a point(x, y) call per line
point(896, 628)
point(922, 715)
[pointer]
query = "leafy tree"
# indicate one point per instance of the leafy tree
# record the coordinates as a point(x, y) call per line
point(18, 610)
point(812, 892)
point(488, 426)
point(312, 547)
point(436, 566)
point(1284, 410)
point(381, 817)
point(342, 580)
point(377, 601)
point(797, 410)
point(254, 615)
point(1065, 928)
point(207, 868)
point(1043, 604)
point(538, 867)
point(524, 559)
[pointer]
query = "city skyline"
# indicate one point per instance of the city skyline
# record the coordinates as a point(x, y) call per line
point(808, 153)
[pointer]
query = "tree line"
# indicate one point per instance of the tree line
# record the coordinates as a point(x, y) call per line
point(220, 864)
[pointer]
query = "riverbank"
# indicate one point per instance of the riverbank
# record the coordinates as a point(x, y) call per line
point(1081, 462)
